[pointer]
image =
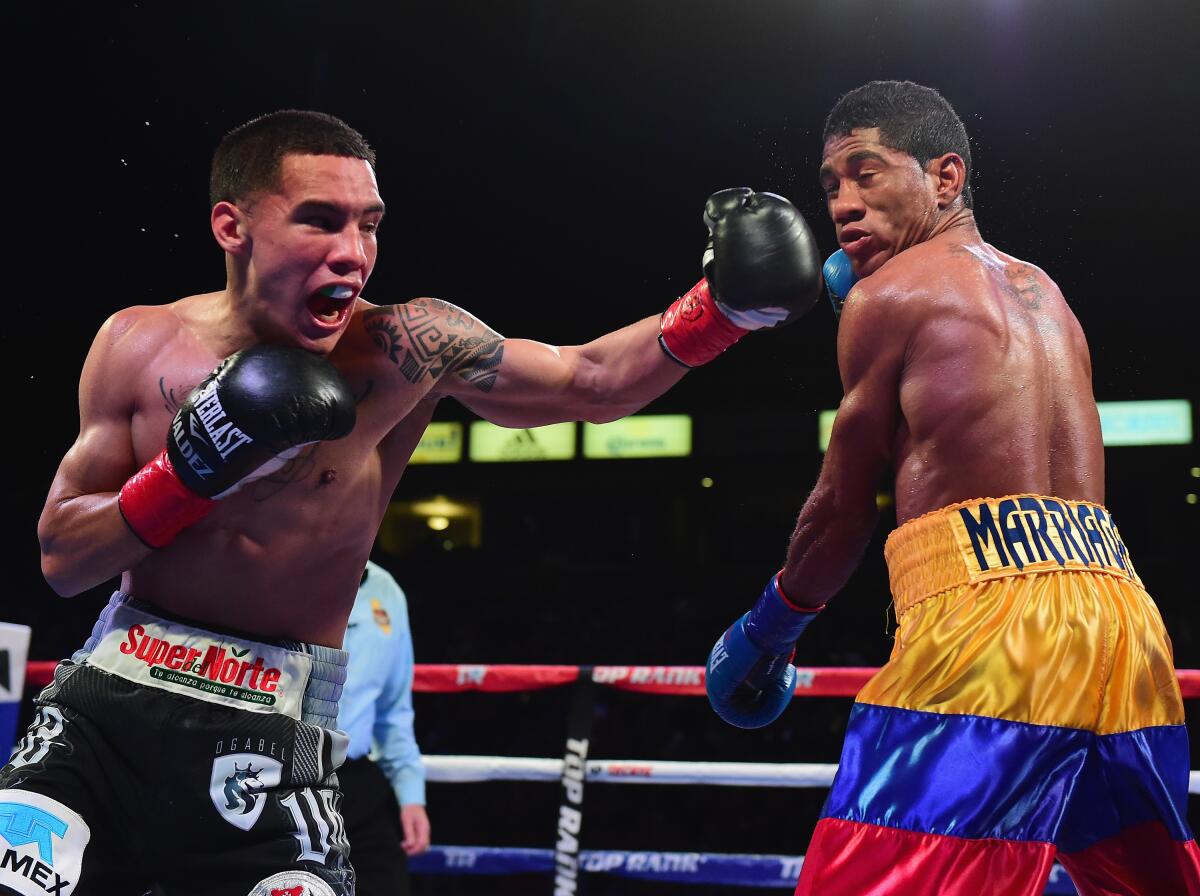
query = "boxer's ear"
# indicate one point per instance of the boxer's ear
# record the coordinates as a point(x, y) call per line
point(949, 175)
point(229, 227)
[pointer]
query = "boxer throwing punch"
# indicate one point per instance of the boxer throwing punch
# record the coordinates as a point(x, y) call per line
point(1030, 707)
point(191, 742)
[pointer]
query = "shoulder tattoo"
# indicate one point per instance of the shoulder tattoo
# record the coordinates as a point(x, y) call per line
point(429, 337)
point(1024, 286)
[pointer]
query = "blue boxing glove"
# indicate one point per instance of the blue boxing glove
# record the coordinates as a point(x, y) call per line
point(839, 279)
point(750, 677)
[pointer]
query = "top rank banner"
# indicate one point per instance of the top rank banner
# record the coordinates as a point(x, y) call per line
point(720, 869)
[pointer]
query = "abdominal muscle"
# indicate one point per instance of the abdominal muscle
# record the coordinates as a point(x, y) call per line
point(281, 559)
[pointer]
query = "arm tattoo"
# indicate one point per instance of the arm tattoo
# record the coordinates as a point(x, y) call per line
point(429, 337)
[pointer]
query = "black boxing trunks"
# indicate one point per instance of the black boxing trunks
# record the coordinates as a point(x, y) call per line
point(167, 754)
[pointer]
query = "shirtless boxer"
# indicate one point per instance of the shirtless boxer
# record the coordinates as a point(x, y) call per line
point(191, 742)
point(1030, 707)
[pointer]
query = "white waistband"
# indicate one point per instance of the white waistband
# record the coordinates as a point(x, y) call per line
point(303, 681)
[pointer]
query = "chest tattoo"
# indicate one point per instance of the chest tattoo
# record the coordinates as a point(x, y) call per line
point(295, 470)
point(171, 398)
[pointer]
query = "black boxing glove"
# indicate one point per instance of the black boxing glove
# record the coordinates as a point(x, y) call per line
point(244, 421)
point(761, 262)
point(761, 270)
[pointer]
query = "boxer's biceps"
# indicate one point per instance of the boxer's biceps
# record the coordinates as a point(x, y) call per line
point(82, 537)
point(102, 457)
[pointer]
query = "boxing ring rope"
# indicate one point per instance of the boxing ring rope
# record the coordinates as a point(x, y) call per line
point(683, 681)
point(760, 871)
point(465, 769)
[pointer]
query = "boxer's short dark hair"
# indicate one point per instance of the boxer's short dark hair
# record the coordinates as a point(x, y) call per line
point(249, 158)
point(912, 119)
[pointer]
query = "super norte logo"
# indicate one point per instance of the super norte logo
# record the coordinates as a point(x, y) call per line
point(229, 672)
point(43, 844)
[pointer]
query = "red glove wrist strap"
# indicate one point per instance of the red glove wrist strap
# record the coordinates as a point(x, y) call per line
point(778, 580)
point(156, 504)
point(693, 329)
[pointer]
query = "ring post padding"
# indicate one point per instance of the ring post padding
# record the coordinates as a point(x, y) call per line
point(14, 650)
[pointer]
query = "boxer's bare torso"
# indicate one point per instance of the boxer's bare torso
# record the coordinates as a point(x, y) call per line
point(283, 556)
point(993, 377)
point(965, 373)
point(966, 376)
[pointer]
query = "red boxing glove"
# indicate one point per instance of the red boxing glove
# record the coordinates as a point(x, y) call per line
point(693, 329)
point(156, 504)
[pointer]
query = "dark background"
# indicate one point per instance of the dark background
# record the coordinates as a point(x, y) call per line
point(545, 165)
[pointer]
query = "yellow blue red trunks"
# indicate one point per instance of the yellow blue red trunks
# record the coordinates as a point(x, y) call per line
point(1030, 710)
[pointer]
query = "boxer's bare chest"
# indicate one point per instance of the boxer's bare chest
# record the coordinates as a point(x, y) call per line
point(290, 546)
point(384, 403)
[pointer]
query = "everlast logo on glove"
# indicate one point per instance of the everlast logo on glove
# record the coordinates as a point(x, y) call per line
point(225, 437)
point(175, 657)
point(286, 397)
point(186, 451)
point(208, 423)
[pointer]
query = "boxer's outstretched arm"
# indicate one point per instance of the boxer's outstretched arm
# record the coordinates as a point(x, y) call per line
point(84, 540)
point(837, 520)
point(603, 380)
point(760, 271)
point(519, 382)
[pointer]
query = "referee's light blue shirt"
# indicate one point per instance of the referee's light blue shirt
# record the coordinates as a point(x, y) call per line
point(376, 708)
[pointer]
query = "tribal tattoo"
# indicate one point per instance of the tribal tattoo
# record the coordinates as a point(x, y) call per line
point(429, 337)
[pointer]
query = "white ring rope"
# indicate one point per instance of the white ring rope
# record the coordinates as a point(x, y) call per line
point(463, 769)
